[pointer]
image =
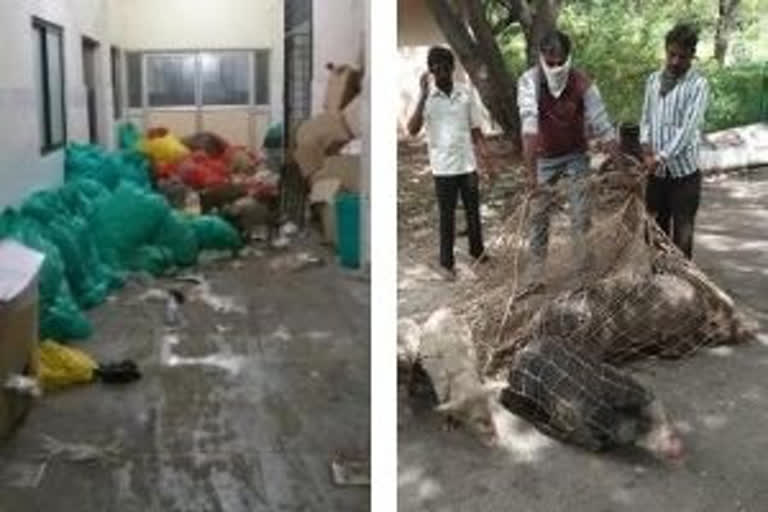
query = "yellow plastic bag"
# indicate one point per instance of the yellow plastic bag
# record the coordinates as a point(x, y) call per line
point(167, 149)
point(60, 366)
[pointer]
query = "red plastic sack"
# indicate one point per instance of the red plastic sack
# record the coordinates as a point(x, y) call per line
point(166, 170)
point(200, 171)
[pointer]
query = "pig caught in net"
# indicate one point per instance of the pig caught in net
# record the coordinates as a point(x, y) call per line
point(559, 340)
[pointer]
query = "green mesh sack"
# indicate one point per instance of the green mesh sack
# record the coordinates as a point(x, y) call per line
point(214, 233)
point(91, 162)
point(127, 221)
point(127, 136)
point(60, 316)
point(150, 258)
point(177, 235)
point(62, 319)
point(134, 167)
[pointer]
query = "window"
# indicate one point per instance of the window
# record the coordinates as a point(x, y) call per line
point(135, 79)
point(50, 79)
point(225, 78)
point(187, 79)
point(117, 85)
point(261, 77)
point(171, 80)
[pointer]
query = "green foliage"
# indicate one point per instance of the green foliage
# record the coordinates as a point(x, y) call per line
point(739, 95)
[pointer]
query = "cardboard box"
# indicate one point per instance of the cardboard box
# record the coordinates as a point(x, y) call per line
point(323, 135)
point(352, 116)
point(344, 83)
point(19, 270)
point(340, 173)
point(345, 168)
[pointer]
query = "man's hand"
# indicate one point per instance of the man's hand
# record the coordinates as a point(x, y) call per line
point(652, 162)
point(424, 84)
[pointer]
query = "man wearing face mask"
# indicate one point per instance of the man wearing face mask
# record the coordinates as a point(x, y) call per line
point(560, 108)
point(453, 135)
point(675, 102)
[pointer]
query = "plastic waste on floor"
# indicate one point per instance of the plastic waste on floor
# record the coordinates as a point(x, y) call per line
point(61, 366)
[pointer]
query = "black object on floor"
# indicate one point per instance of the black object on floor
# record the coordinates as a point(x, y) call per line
point(118, 373)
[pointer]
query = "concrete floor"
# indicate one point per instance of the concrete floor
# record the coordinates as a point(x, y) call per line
point(718, 398)
point(247, 420)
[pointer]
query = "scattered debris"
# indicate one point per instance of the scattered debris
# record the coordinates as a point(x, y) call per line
point(219, 303)
point(23, 385)
point(295, 262)
point(230, 363)
point(154, 295)
point(223, 329)
point(80, 452)
point(350, 472)
point(289, 229)
point(22, 474)
point(118, 373)
point(173, 316)
point(191, 278)
point(281, 242)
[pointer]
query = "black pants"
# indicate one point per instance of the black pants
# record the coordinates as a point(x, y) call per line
point(448, 189)
point(674, 202)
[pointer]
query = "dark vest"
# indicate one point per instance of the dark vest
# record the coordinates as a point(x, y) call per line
point(561, 120)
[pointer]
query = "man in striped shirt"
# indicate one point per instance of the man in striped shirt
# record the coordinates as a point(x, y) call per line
point(675, 102)
point(560, 108)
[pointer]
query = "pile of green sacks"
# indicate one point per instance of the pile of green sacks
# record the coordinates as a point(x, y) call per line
point(103, 222)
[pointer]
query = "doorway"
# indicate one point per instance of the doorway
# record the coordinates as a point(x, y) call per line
point(90, 56)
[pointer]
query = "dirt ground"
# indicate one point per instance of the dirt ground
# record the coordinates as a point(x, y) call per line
point(243, 414)
point(718, 398)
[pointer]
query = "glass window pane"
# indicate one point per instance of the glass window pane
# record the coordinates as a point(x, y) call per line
point(225, 78)
point(171, 80)
point(117, 97)
point(261, 80)
point(55, 86)
point(134, 79)
point(39, 35)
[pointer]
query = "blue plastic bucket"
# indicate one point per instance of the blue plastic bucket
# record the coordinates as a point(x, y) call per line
point(348, 229)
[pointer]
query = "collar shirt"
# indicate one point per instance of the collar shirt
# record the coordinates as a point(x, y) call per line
point(671, 124)
point(449, 121)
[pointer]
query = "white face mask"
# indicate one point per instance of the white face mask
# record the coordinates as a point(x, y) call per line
point(557, 77)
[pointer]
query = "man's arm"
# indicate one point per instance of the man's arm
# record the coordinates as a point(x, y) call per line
point(645, 126)
point(693, 115)
point(478, 139)
point(416, 121)
point(597, 120)
point(529, 123)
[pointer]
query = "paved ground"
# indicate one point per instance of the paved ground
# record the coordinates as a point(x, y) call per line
point(719, 399)
point(244, 420)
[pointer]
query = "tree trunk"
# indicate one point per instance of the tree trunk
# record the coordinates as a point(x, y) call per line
point(725, 23)
point(481, 58)
point(543, 21)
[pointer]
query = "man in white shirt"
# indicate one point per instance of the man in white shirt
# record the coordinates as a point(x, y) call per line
point(675, 102)
point(560, 108)
point(453, 133)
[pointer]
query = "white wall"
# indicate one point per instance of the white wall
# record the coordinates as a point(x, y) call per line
point(128, 24)
point(22, 168)
point(338, 29)
point(204, 24)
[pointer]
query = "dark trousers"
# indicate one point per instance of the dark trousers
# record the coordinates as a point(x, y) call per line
point(448, 189)
point(674, 202)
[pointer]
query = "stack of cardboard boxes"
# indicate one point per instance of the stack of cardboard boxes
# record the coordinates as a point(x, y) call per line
point(19, 269)
point(328, 146)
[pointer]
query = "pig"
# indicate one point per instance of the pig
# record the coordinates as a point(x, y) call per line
point(447, 355)
point(572, 396)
